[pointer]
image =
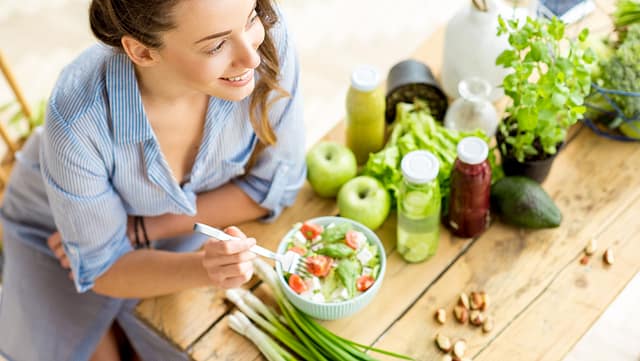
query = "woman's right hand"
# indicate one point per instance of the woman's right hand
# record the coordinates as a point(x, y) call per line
point(229, 264)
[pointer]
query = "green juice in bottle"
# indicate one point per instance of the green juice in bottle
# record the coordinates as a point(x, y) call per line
point(418, 231)
point(365, 122)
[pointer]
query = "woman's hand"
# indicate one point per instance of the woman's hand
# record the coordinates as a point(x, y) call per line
point(229, 263)
point(55, 244)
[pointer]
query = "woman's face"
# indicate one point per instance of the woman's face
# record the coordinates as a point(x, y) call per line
point(213, 48)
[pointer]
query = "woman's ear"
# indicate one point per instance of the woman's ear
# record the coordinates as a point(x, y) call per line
point(139, 53)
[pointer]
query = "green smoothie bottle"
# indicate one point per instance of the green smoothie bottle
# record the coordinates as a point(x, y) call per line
point(365, 113)
point(419, 207)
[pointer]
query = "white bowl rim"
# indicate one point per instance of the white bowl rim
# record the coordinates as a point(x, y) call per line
point(328, 219)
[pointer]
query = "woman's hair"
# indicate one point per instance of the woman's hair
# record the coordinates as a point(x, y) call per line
point(145, 20)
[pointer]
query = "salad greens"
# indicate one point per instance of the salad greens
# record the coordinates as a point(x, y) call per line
point(335, 233)
point(348, 271)
point(415, 129)
point(336, 250)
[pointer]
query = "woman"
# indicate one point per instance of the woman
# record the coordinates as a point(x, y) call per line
point(189, 112)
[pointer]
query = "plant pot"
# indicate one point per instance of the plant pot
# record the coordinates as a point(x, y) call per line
point(411, 79)
point(534, 169)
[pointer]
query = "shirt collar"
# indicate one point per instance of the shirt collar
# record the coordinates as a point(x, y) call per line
point(130, 123)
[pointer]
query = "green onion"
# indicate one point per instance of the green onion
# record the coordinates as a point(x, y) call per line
point(273, 326)
point(321, 344)
point(269, 348)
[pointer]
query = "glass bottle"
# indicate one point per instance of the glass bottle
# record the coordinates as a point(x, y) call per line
point(419, 207)
point(473, 110)
point(469, 213)
point(365, 123)
point(471, 46)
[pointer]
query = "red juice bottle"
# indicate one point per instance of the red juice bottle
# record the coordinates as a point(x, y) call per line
point(470, 189)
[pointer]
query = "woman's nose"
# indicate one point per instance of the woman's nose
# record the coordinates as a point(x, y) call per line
point(247, 54)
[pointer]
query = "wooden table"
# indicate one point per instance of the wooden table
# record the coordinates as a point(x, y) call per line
point(542, 299)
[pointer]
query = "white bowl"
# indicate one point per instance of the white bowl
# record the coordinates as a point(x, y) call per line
point(334, 310)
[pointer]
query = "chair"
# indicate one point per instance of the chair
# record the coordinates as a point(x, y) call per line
point(12, 146)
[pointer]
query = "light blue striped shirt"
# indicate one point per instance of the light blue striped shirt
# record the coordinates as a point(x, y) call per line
point(97, 160)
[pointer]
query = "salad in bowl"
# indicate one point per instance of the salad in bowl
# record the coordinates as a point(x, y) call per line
point(345, 263)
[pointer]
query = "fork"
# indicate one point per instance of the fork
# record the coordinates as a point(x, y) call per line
point(291, 262)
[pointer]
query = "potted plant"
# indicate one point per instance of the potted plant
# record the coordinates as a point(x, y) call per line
point(548, 82)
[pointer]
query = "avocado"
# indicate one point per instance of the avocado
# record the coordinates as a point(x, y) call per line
point(521, 201)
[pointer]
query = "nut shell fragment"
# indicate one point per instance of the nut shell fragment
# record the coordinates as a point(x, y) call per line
point(443, 342)
point(441, 316)
point(461, 314)
point(608, 256)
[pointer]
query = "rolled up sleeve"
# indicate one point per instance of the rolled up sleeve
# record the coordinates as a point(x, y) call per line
point(280, 170)
point(87, 210)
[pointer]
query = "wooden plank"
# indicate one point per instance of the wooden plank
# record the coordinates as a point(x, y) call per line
point(552, 324)
point(184, 316)
point(594, 181)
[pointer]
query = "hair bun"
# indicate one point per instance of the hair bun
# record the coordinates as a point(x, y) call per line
point(104, 23)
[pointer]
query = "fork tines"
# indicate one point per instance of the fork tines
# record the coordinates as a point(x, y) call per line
point(299, 266)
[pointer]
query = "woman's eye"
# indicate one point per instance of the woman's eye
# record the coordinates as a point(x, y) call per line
point(217, 48)
point(254, 18)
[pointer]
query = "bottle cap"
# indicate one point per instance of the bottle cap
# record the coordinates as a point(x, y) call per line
point(365, 78)
point(419, 167)
point(472, 150)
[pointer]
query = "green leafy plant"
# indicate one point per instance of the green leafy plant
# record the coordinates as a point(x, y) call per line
point(549, 82)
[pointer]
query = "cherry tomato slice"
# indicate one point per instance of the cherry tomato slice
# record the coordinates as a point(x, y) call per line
point(351, 239)
point(297, 284)
point(364, 282)
point(299, 250)
point(310, 230)
point(319, 265)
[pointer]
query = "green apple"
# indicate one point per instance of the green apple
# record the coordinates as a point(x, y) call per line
point(329, 166)
point(364, 199)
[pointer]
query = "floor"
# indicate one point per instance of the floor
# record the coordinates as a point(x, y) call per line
point(39, 37)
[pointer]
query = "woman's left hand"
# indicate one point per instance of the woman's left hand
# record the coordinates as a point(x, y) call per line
point(55, 244)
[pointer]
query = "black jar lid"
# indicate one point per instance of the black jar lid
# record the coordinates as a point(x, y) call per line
point(411, 79)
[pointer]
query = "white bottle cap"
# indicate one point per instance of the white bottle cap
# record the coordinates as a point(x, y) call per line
point(419, 167)
point(365, 78)
point(472, 150)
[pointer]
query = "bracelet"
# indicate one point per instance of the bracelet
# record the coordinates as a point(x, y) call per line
point(147, 243)
point(136, 220)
